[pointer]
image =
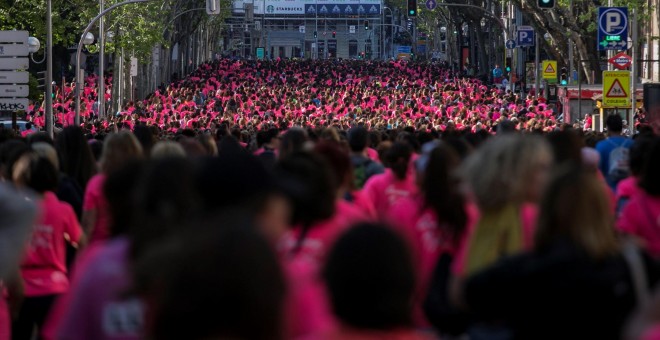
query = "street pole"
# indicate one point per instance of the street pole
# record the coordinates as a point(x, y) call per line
point(633, 73)
point(49, 70)
point(316, 30)
point(382, 36)
point(537, 80)
point(79, 80)
point(570, 54)
point(101, 91)
point(610, 53)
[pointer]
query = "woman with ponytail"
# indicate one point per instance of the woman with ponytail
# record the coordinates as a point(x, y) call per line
point(433, 221)
point(386, 189)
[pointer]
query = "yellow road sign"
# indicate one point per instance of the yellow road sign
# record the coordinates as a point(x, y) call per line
point(616, 89)
point(549, 69)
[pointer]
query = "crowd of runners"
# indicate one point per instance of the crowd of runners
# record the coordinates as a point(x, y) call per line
point(249, 95)
point(328, 200)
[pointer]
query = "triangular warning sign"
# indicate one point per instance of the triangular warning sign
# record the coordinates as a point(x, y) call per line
point(616, 90)
point(549, 69)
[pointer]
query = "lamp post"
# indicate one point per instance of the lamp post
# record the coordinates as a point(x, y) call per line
point(391, 22)
point(100, 94)
point(49, 69)
point(79, 82)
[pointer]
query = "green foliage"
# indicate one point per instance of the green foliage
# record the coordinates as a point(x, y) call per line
point(137, 27)
point(30, 15)
point(35, 94)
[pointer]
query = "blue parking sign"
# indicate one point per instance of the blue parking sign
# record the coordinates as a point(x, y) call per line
point(525, 36)
point(612, 28)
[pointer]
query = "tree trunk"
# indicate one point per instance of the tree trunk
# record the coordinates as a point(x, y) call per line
point(114, 108)
point(483, 58)
point(126, 79)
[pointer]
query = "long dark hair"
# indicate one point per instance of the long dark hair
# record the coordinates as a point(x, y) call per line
point(440, 189)
point(370, 278)
point(649, 180)
point(309, 185)
point(397, 158)
point(76, 159)
point(222, 281)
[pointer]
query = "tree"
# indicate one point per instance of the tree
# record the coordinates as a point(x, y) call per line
point(575, 21)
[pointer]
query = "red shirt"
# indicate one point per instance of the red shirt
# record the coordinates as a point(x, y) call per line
point(44, 267)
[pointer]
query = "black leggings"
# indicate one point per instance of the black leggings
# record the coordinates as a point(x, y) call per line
point(33, 313)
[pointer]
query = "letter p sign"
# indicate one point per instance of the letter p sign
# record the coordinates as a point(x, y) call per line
point(612, 21)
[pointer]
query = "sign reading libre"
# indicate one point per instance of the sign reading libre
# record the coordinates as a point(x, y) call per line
point(612, 28)
point(616, 85)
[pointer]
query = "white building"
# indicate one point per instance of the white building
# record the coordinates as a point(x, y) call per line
point(312, 28)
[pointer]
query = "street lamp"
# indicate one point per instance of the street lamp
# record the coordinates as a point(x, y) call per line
point(33, 47)
point(89, 39)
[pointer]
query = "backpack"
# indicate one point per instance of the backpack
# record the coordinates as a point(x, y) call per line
point(360, 173)
point(618, 163)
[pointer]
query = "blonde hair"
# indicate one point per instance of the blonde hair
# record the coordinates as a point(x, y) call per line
point(167, 149)
point(118, 148)
point(501, 170)
point(47, 151)
point(575, 208)
point(330, 134)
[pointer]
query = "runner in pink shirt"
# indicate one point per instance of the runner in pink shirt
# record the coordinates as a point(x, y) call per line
point(385, 190)
point(118, 149)
point(370, 279)
point(44, 268)
point(435, 220)
point(629, 187)
point(641, 216)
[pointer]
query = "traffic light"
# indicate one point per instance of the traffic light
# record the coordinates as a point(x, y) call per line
point(563, 76)
point(546, 4)
point(412, 8)
point(508, 69)
point(334, 34)
point(315, 35)
point(366, 25)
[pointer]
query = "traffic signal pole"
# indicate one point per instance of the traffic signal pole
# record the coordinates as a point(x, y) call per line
point(537, 79)
point(633, 73)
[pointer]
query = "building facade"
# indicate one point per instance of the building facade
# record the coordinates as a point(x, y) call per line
point(317, 29)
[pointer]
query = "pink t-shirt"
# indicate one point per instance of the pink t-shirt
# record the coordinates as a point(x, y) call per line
point(95, 200)
point(44, 269)
point(385, 190)
point(95, 306)
point(373, 155)
point(625, 190)
point(345, 333)
point(321, 236)
point(5, 318)
point(641, 217)
point(427, 241)
point(308, 308)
